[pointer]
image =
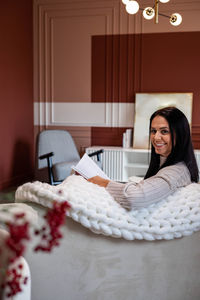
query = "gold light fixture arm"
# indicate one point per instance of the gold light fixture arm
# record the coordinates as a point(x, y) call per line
point(156, 11)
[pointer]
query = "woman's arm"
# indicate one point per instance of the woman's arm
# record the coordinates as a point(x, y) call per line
point(149, 191)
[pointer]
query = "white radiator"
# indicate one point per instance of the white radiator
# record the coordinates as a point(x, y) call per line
point(112, 162)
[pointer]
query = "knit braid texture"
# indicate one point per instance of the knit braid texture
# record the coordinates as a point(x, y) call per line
point(93, 207)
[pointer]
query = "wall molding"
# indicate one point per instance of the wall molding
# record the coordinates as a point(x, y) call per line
point(46, 16)
point(84, 114)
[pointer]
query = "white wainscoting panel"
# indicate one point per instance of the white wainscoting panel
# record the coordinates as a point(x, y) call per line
point(84, 114)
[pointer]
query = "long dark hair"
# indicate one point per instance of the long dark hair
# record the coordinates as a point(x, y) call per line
point(182, 148)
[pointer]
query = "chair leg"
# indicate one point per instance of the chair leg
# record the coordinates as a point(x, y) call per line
point(48, 157)
point(50, 173)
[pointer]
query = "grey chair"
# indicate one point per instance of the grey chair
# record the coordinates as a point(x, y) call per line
point(56, 154)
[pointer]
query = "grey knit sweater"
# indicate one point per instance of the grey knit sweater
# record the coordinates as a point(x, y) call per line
point(137, 195)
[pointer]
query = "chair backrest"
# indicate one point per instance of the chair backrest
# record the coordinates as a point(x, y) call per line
point(58, 141)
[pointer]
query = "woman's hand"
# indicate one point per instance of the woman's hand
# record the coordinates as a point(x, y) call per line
point(99, 180)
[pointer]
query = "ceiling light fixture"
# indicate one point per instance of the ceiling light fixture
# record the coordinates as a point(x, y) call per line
point(149, 13)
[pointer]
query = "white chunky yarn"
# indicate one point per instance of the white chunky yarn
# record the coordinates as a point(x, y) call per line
point(94, 208)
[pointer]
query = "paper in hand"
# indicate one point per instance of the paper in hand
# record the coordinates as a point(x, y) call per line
point(87, 168)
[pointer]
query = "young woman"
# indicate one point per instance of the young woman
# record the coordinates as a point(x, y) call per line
point(172, 165)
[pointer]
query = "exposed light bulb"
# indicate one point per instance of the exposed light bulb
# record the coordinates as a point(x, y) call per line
point(175, 19)
point(148, 13)
point(125, 1)
point(132, 7)
point(164, 1)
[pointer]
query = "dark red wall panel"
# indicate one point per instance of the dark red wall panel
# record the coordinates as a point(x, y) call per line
point(16, 92)
point(113, 63)
point(107, 136)
point(171, 63)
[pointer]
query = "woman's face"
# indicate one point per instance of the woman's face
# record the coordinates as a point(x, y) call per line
point(161, 136)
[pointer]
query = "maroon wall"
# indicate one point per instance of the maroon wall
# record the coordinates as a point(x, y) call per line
point(123, 65)
point(16, 92)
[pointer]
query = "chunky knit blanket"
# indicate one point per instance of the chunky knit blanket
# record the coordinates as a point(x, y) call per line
point(93, 207)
